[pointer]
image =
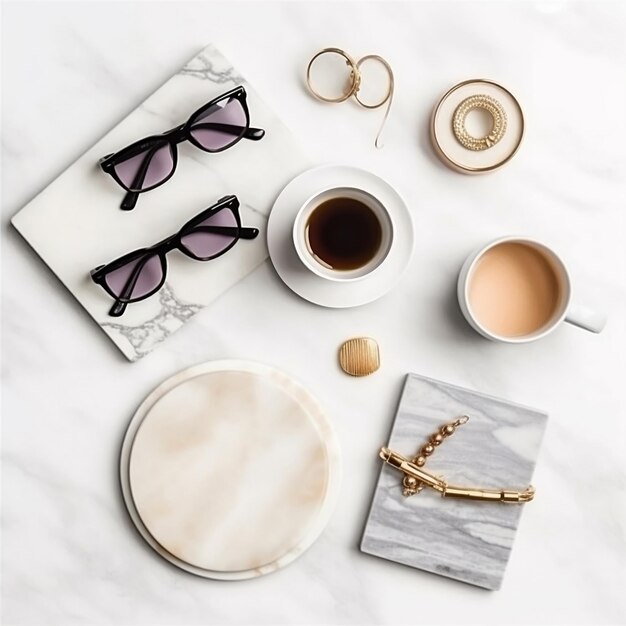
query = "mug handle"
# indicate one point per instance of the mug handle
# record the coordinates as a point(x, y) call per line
point(585, 318)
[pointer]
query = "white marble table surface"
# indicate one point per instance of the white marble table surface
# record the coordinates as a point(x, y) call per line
point(72, 70)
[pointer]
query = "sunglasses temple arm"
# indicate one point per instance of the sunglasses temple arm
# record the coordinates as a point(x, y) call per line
point(118, 308)
point(231, 129)
point(129, 201)
point(248, 233)
point(242, 232)
point(254, 134)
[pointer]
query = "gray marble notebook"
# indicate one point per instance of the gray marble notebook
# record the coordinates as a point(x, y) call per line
point(497, 448)
point(75, 224)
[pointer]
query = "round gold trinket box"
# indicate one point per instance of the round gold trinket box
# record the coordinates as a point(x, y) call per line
point(470, 147)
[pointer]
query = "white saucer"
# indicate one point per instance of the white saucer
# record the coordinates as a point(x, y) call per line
point(314, 288)
point(230, 470)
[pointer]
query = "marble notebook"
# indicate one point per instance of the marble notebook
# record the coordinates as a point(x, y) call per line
point(75, 224)
point(497, 448)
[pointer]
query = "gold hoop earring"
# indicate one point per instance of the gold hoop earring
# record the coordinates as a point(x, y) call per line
point(355, 84)
point(388, 96)
point(355, 76)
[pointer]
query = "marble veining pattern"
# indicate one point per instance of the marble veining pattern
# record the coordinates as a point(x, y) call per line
point(143, 337)
point(203, 67)
point(469, 541)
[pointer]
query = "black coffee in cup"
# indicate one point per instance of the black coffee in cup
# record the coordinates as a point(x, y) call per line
point(343, 233)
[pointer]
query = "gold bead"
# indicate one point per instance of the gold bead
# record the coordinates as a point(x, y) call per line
point(449, 429)
point(436, 439)
point(428, 449)
point(409, 484)
point(420, 461)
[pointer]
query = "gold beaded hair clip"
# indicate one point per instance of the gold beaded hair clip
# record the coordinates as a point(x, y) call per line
point(353, 83)
point(416, 478)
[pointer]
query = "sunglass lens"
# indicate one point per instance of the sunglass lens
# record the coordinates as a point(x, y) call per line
point(212, 236)
point(221, 125)
point(137, 278)
point(146, 169)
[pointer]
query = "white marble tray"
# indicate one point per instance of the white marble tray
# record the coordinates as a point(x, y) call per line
point(75, 223)
point(497, 448)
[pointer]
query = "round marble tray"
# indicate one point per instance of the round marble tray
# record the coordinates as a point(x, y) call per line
point(230, 470)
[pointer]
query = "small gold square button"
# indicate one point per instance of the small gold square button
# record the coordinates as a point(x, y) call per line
point(359, 356)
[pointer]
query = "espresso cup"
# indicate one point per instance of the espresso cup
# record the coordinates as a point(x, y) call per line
point(517, 290)
point(343, 234)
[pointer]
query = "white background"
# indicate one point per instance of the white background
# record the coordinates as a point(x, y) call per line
point(72, 70)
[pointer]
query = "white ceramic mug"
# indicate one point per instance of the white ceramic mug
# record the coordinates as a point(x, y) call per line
point(313, 263)
point(563, 311)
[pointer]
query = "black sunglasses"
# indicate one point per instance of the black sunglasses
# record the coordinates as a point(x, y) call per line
point(150, 162)
point(141, 273)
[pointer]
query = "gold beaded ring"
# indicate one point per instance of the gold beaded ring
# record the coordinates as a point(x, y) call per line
point(355, 84)
point(498, 115)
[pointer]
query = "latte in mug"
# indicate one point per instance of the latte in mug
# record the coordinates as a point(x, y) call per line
point(516, 290)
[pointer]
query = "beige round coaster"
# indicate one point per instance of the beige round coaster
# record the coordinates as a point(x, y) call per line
point(230, 470)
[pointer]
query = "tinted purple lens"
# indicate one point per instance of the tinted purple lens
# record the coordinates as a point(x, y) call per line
point(206, 240)
point(146, 169)
point(220, 125)
point(137, 278)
